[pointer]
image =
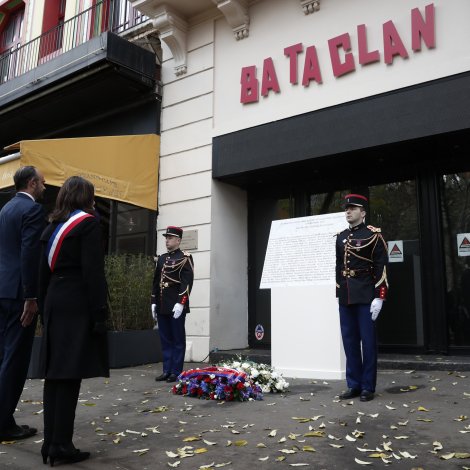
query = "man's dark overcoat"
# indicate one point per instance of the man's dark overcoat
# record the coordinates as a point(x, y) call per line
point(74, 301)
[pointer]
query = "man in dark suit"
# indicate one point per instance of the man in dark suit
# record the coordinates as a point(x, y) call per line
point(361, 288)
point(21, 224)
point(172, 285)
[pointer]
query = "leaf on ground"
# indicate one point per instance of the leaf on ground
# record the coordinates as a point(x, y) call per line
point(361, 462)
point(159, 409)
point(308, 449)
point(171, 454)
point(401, 437)
point(288, 451)
point(222, 464)
point(387, 446)
point(447, 456)
point(282, 439)
point(333, 438)
point(407, 455)
point(422, 408)
point(174, 464)
point(200, 450)
point(336, 446)
point(263, 459)
point(375, 415)
point(261, 445)
point(462, 455)
point(299, 464)
point(350, 438)
point(425, 420)
point(209, 443)
point(191, 439)
point(140, 451)
point(379, 455)
point(273, 433)
point(234, 431)
point(315, 434)
point(280, 458)
point(461, 418)
point(240, 443)
point(403, 423)
point(390, 407)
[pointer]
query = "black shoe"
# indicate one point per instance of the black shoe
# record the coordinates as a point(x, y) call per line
point(45, 452)
point(17, 432)
point(366, 395)
point(66, 453)
point(162, 377)
point(172, 378)
point(350, 393)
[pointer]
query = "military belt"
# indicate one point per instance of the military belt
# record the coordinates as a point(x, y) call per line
point(355, 272)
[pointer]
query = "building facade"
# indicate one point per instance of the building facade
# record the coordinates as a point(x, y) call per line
point(275, 109)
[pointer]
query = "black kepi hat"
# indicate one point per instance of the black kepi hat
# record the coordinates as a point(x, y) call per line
point(355, 200)
point(172, 231)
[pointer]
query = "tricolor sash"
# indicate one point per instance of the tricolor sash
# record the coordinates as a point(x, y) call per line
point(55, 242)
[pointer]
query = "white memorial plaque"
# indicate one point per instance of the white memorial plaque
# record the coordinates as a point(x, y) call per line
point(301, 251)
point(300, 270)
point(463, 244)
point(395, 251)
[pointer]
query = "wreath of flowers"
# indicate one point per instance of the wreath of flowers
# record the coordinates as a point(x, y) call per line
point(217, 383)
point(263, 375)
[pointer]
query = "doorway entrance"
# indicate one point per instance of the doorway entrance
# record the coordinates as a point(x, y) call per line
point(424, 214)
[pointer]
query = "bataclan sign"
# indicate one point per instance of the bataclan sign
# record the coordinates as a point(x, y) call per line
point(343, 61)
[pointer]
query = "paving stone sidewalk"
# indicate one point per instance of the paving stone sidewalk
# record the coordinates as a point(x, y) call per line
point(131, 422)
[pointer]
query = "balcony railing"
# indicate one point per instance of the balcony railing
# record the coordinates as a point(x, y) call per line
point(108, 15)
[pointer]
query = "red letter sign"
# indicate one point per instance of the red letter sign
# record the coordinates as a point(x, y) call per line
point(249, 82)
point(292, 52)
point(341, 68)
point(393, 45)
point(365, 57)
point(311, 67)
point(269, 80)
point(423, 29)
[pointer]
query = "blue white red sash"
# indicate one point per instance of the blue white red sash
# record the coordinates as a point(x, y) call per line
point(55, 242)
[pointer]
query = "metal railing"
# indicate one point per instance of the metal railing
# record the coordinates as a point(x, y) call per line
point(108, 15)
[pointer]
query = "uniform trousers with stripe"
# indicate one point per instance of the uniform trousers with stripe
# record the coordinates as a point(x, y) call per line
point(359, 335)
point(173, 341)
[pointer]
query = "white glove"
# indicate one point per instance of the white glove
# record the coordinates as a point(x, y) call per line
point(375, 308)
point(177, 311)
point(154, 312)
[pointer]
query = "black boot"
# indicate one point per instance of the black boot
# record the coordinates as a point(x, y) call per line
point(66, 453)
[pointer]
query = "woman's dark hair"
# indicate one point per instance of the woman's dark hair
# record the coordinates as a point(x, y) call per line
point(75, 193)
point(23, 176)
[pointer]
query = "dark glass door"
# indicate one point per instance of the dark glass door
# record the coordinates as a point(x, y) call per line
point(262, 212)
point(455, 210)
point(393, 208)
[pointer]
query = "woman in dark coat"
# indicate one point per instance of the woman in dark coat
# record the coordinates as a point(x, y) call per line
point(73, 301)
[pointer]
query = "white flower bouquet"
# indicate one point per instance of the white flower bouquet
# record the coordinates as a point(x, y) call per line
point(263, 375)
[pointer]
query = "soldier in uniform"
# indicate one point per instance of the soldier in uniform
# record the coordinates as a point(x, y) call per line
point(361, 288)
point(172, 283)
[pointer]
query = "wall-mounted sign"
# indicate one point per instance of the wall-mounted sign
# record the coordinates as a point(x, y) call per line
point(395, 251)
point(189, 240)
point(342, 59)
point(463, 244)
point(259, 332)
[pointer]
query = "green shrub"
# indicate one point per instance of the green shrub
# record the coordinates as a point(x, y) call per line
point(129, 280)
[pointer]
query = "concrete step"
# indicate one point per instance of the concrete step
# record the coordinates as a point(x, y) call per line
point(386, 361)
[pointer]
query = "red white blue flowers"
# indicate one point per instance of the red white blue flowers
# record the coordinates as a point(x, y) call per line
point(217, 383)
